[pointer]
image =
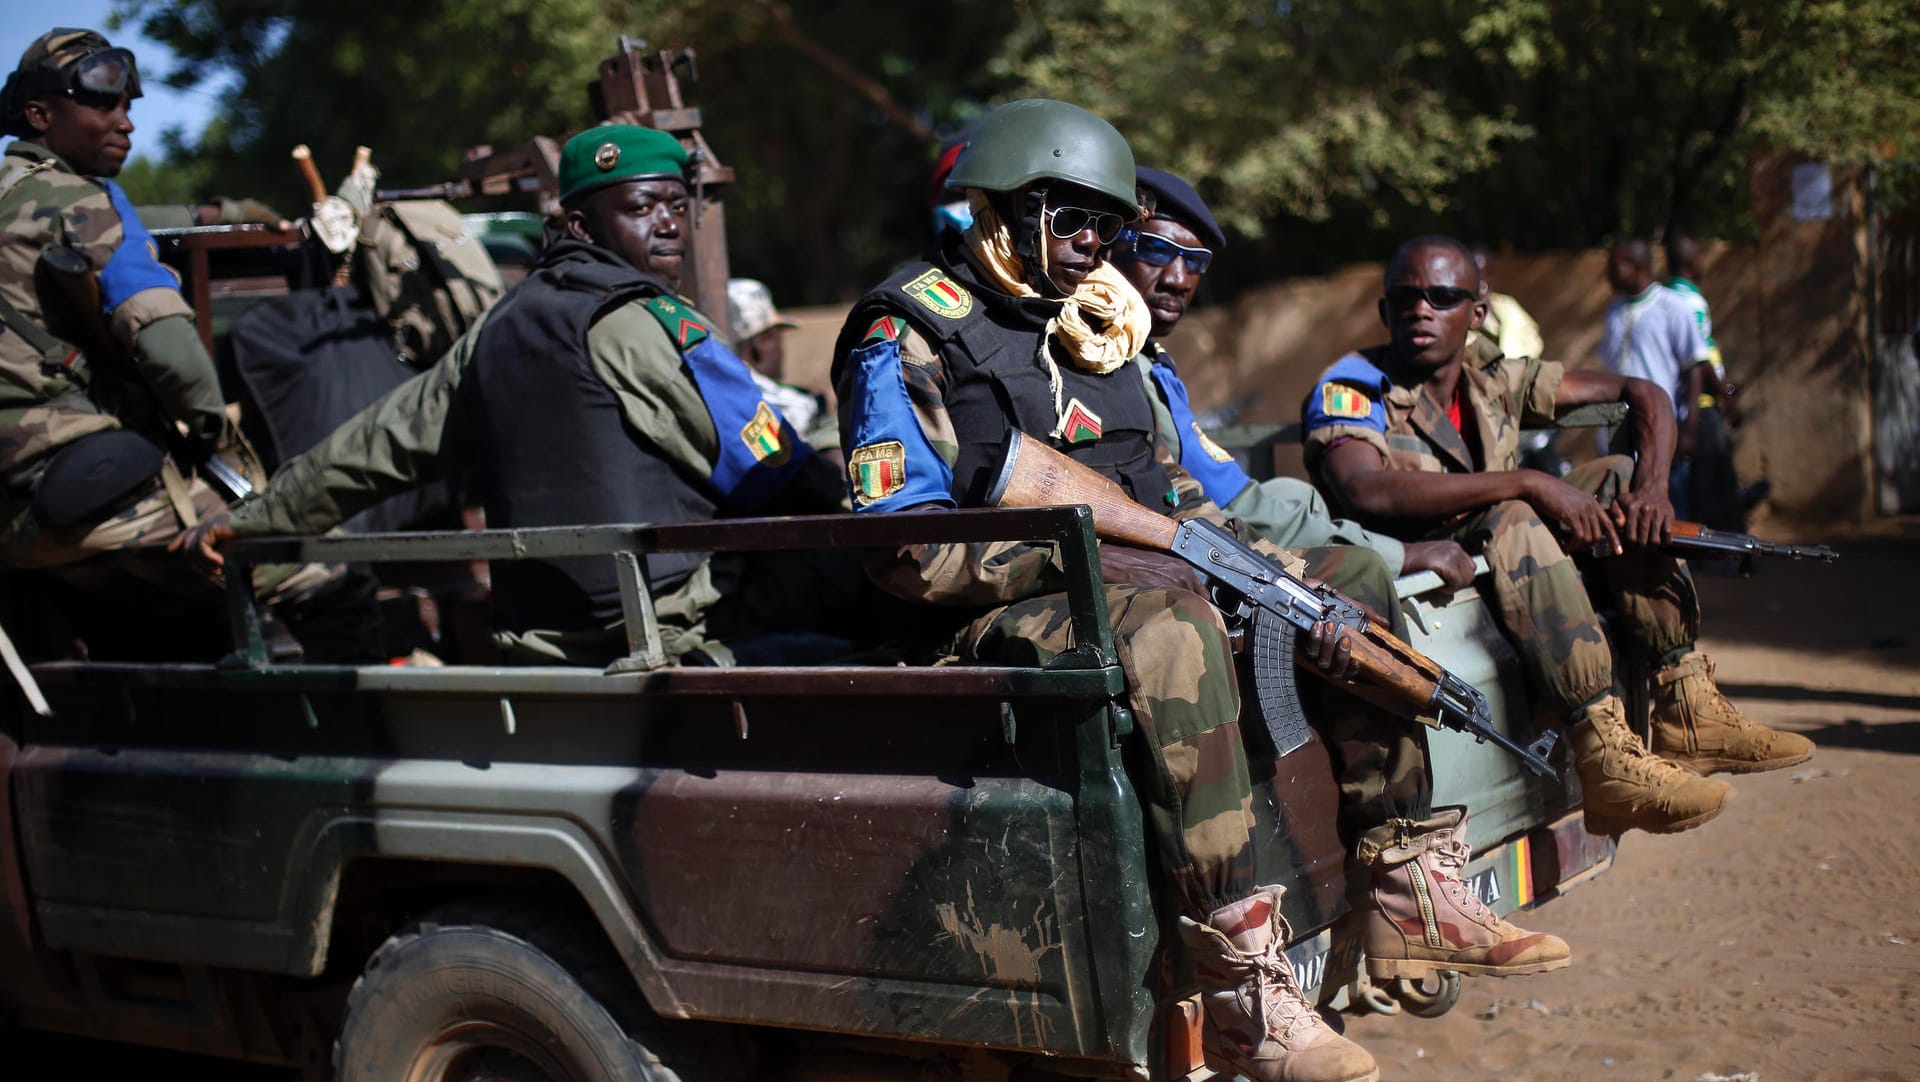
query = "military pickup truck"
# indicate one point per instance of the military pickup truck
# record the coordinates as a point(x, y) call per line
point(479, 873)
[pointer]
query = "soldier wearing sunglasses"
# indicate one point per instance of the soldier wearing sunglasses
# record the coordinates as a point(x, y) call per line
point(86, 489)
point(1422, 436)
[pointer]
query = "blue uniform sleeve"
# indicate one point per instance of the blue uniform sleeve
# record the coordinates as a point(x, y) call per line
point(1210, 464)
point(1351, 394)
point(759, 450)
point(135, 265)
point(891, 464)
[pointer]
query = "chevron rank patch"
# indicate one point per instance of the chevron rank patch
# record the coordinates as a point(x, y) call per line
point(1344, 400)
point(679, 320)
point(764, 436)
point(1078, 424)
point(877, 471)
point(1213, 450)
point(939, 294)
point(884, 329)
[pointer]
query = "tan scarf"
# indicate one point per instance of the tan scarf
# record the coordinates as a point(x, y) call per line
point(1102, 325)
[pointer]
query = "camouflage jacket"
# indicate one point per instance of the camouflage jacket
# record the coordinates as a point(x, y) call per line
point(1366, 396)
point(998, 572)
point(44, 400)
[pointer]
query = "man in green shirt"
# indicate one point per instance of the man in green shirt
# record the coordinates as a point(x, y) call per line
point(591, 393)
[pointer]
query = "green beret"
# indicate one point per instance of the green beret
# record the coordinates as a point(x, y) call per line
point(613, 153)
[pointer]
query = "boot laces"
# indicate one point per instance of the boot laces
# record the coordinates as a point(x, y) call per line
point(1450, 864)
point(1282, 1002)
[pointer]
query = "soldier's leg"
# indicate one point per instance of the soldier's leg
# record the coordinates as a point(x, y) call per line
point(1420, 917)
point(1379, 759)
point(1544, 608)
point(1185, 700)
point(1692, 722)
point(122, 557)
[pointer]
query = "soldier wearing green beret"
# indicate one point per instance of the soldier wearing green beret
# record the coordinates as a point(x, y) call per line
point(85, 488)
point(591, 393)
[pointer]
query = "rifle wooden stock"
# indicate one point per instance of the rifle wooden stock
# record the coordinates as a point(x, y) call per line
point(1036, 475)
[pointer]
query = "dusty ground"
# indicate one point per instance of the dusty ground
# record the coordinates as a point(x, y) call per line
point(1779, 942)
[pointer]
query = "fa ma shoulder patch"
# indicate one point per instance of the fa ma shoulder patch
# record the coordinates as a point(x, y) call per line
point(940, 294)
point(877, 471)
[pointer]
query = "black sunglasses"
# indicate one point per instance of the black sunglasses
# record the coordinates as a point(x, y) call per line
point(1157, 251)
point(1066, 223)
point(1439, 298)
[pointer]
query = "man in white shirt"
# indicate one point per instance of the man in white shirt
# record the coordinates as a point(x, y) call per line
point(1651, 334)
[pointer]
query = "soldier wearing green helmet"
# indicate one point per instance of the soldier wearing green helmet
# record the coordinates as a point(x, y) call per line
point(1021, 323)
point(590, 393)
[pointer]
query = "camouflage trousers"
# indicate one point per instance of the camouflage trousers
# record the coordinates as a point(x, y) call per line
point(128, 547)
point(1379, 760)
point(1544, 606)
point(1184, 691)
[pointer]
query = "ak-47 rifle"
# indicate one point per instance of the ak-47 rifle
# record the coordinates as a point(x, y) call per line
point(1274, 606)
point(1693, 539)
point(71, 272)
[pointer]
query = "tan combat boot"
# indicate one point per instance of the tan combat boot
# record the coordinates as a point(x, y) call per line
point(1424, 918)
point(1694, 725)
point(1258, 1022)
point(1625, 787)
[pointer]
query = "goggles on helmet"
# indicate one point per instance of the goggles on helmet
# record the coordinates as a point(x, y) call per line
point(105, 71)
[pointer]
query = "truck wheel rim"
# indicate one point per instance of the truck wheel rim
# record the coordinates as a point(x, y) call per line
point(484, 1051)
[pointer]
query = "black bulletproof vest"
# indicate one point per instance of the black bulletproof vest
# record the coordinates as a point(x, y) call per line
point(997, 381)
point(552, 447)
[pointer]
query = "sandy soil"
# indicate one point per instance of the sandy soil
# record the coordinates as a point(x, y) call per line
point(1782, 940)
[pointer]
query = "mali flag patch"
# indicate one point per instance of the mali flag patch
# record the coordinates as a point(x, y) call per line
point(1344, 400)
point(765, 436)
point(877, 471)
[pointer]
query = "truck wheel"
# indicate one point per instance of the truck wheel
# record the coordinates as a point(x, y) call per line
point(493, 993)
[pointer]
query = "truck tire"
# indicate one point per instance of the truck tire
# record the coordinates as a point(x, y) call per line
point(494, 993)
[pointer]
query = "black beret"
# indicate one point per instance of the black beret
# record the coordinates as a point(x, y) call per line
point(1175, 198)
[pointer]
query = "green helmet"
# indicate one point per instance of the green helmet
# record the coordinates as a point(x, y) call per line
point(1024, 141)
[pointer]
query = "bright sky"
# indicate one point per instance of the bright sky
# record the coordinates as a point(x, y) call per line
point(158, 109)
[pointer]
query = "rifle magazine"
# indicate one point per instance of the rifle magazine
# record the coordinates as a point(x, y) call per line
point(1270, 652)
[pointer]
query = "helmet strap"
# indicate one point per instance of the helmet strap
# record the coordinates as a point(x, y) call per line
point(1029, 238)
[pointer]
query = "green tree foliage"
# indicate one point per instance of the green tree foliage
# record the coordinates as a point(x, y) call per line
point(1285, 109)
point(1322, 130)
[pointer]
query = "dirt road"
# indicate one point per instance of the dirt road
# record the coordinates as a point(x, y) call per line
point(1780, 942)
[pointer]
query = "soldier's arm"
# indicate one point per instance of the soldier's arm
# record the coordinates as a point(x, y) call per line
point(406, 438)
point(900, 454)
point(146, 311)
point(634, 357)
point(1290, 513)
point(1643, 512)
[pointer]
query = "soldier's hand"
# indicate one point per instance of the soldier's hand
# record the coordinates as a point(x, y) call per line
point(1330, 646)
point(1124, 565)
point(1444, 558)
point(199, 543)
point(1644, 517)
point(1581, 518)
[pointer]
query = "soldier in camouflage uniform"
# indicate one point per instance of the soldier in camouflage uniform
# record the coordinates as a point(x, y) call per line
point(104, 524)
point(1422, 436)
point(1022, 324)
point(597, 395)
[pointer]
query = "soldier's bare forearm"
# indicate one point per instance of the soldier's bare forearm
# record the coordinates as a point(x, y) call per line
point(1651, 411)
